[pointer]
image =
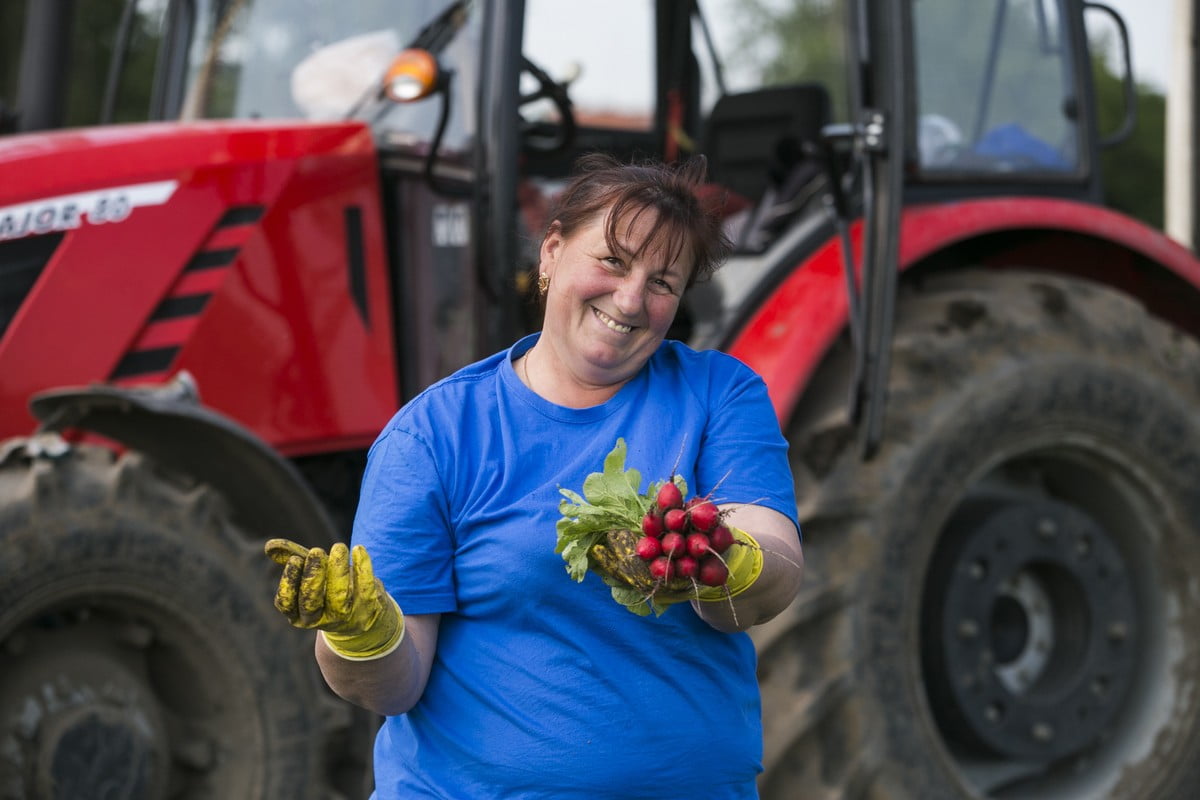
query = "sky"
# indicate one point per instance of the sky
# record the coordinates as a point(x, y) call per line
point(1150, 34)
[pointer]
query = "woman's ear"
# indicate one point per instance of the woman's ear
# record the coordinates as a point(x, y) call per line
point(552, 246)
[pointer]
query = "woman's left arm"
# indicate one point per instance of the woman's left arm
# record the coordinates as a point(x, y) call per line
point(778, 583)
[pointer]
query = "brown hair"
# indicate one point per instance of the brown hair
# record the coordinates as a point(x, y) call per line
point(684, 223)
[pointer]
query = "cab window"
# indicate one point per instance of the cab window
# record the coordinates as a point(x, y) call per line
point(605, 50)
point(994, 88)
point(758, 45)
point(107, 73)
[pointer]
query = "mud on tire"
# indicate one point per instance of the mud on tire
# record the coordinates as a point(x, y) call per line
point(1000, 603)
point(140, 651)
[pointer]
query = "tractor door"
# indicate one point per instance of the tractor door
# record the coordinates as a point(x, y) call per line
point(956, 101)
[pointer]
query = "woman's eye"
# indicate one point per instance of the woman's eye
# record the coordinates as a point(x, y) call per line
point(663, 287)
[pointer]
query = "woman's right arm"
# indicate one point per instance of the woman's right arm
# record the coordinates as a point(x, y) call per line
point(390, 685)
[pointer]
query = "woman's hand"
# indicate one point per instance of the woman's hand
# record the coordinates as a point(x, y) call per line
point(617, 561)
point(777, 584)
point(370, 653)
point(338, 596)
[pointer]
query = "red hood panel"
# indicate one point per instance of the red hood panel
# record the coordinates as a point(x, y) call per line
point(216, 247)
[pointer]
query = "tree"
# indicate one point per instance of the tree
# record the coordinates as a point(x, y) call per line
point(1134, 170)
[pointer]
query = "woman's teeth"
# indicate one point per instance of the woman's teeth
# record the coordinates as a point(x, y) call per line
point(612, 323)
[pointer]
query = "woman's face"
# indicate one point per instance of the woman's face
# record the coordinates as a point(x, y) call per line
point(606, 310)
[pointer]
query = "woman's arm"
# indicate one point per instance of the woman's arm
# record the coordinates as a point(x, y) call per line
point(390, 685)
point(779, 582)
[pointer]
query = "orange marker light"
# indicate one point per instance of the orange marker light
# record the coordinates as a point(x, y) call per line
point(412, 75)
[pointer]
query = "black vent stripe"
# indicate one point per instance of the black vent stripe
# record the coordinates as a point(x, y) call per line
point(241, 215)
point(141, 362)
point(356, 262)
point(184, 306)
point(21, 262)
point(211, 259)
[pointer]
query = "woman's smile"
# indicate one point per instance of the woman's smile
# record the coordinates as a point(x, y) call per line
point(611, 323)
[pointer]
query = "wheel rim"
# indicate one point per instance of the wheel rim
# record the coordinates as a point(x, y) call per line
point(1038, 637)
point(116, 696)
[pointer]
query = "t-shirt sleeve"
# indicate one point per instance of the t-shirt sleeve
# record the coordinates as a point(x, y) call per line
point(403, 520)
point(744, 455)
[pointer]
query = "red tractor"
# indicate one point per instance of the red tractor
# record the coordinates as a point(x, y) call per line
point(288, 218)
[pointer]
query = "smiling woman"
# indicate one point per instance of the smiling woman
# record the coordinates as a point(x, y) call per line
point(510, 676)
point(615, 260)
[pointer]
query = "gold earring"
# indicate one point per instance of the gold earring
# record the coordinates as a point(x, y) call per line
point(543, 283)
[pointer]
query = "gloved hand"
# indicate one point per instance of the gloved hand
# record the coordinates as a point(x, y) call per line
point(345, 601)
point(618, 563)
point(744, 558)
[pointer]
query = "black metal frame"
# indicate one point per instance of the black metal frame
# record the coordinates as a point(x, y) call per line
point(1195, 132)
point(45, 60)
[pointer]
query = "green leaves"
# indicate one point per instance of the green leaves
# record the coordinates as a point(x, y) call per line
point(610, 501)
point(634, 600)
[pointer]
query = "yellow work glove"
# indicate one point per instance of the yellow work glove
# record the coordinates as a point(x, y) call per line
point(343, 600)
point(617, 562)
point(744, 558)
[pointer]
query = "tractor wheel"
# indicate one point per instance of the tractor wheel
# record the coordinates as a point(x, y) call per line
point(141, 654)
point(1003, 601)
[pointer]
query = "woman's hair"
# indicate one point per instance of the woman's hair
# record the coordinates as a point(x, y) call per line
point(684, 224)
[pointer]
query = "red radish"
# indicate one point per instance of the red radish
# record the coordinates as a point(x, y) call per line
point(675, 520)
point(697, 545)
point(713, 572)
point(652, 524)
point(669, 497)
point(687, 567)
point(720, 538)
point(674, 544)
point(649, 548)
point(661, 569)
point(704, 516)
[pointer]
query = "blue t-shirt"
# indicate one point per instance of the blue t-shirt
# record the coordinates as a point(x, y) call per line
point(543, 687)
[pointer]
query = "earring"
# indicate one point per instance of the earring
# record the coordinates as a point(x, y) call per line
point(543, 283)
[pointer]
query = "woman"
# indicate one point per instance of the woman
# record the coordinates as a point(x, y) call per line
point(502, 677)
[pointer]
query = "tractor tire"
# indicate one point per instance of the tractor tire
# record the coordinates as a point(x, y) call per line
point(1002, 601)
point(141, 653)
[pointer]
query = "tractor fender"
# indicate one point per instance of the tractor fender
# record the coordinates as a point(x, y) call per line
point(168, 423)
point(790, 331)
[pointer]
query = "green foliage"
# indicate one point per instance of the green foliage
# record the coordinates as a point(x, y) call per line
point(793, 42)
point(92, 37)
point(1134, 171)
point(610, 501)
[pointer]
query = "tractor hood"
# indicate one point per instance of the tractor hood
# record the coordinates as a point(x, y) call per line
point(249, 253)
point(38, 168)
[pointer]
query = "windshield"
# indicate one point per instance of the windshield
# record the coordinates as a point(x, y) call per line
point(759, 43)
point(314, 59)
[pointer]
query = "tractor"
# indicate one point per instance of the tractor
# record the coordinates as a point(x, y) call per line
point(236, 235)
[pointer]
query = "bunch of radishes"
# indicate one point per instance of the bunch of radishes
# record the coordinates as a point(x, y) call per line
point(684, 540)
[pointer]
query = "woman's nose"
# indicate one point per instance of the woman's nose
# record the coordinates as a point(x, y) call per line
point(629, 295)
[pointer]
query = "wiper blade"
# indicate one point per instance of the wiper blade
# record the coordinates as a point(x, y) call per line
point(437, 34)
